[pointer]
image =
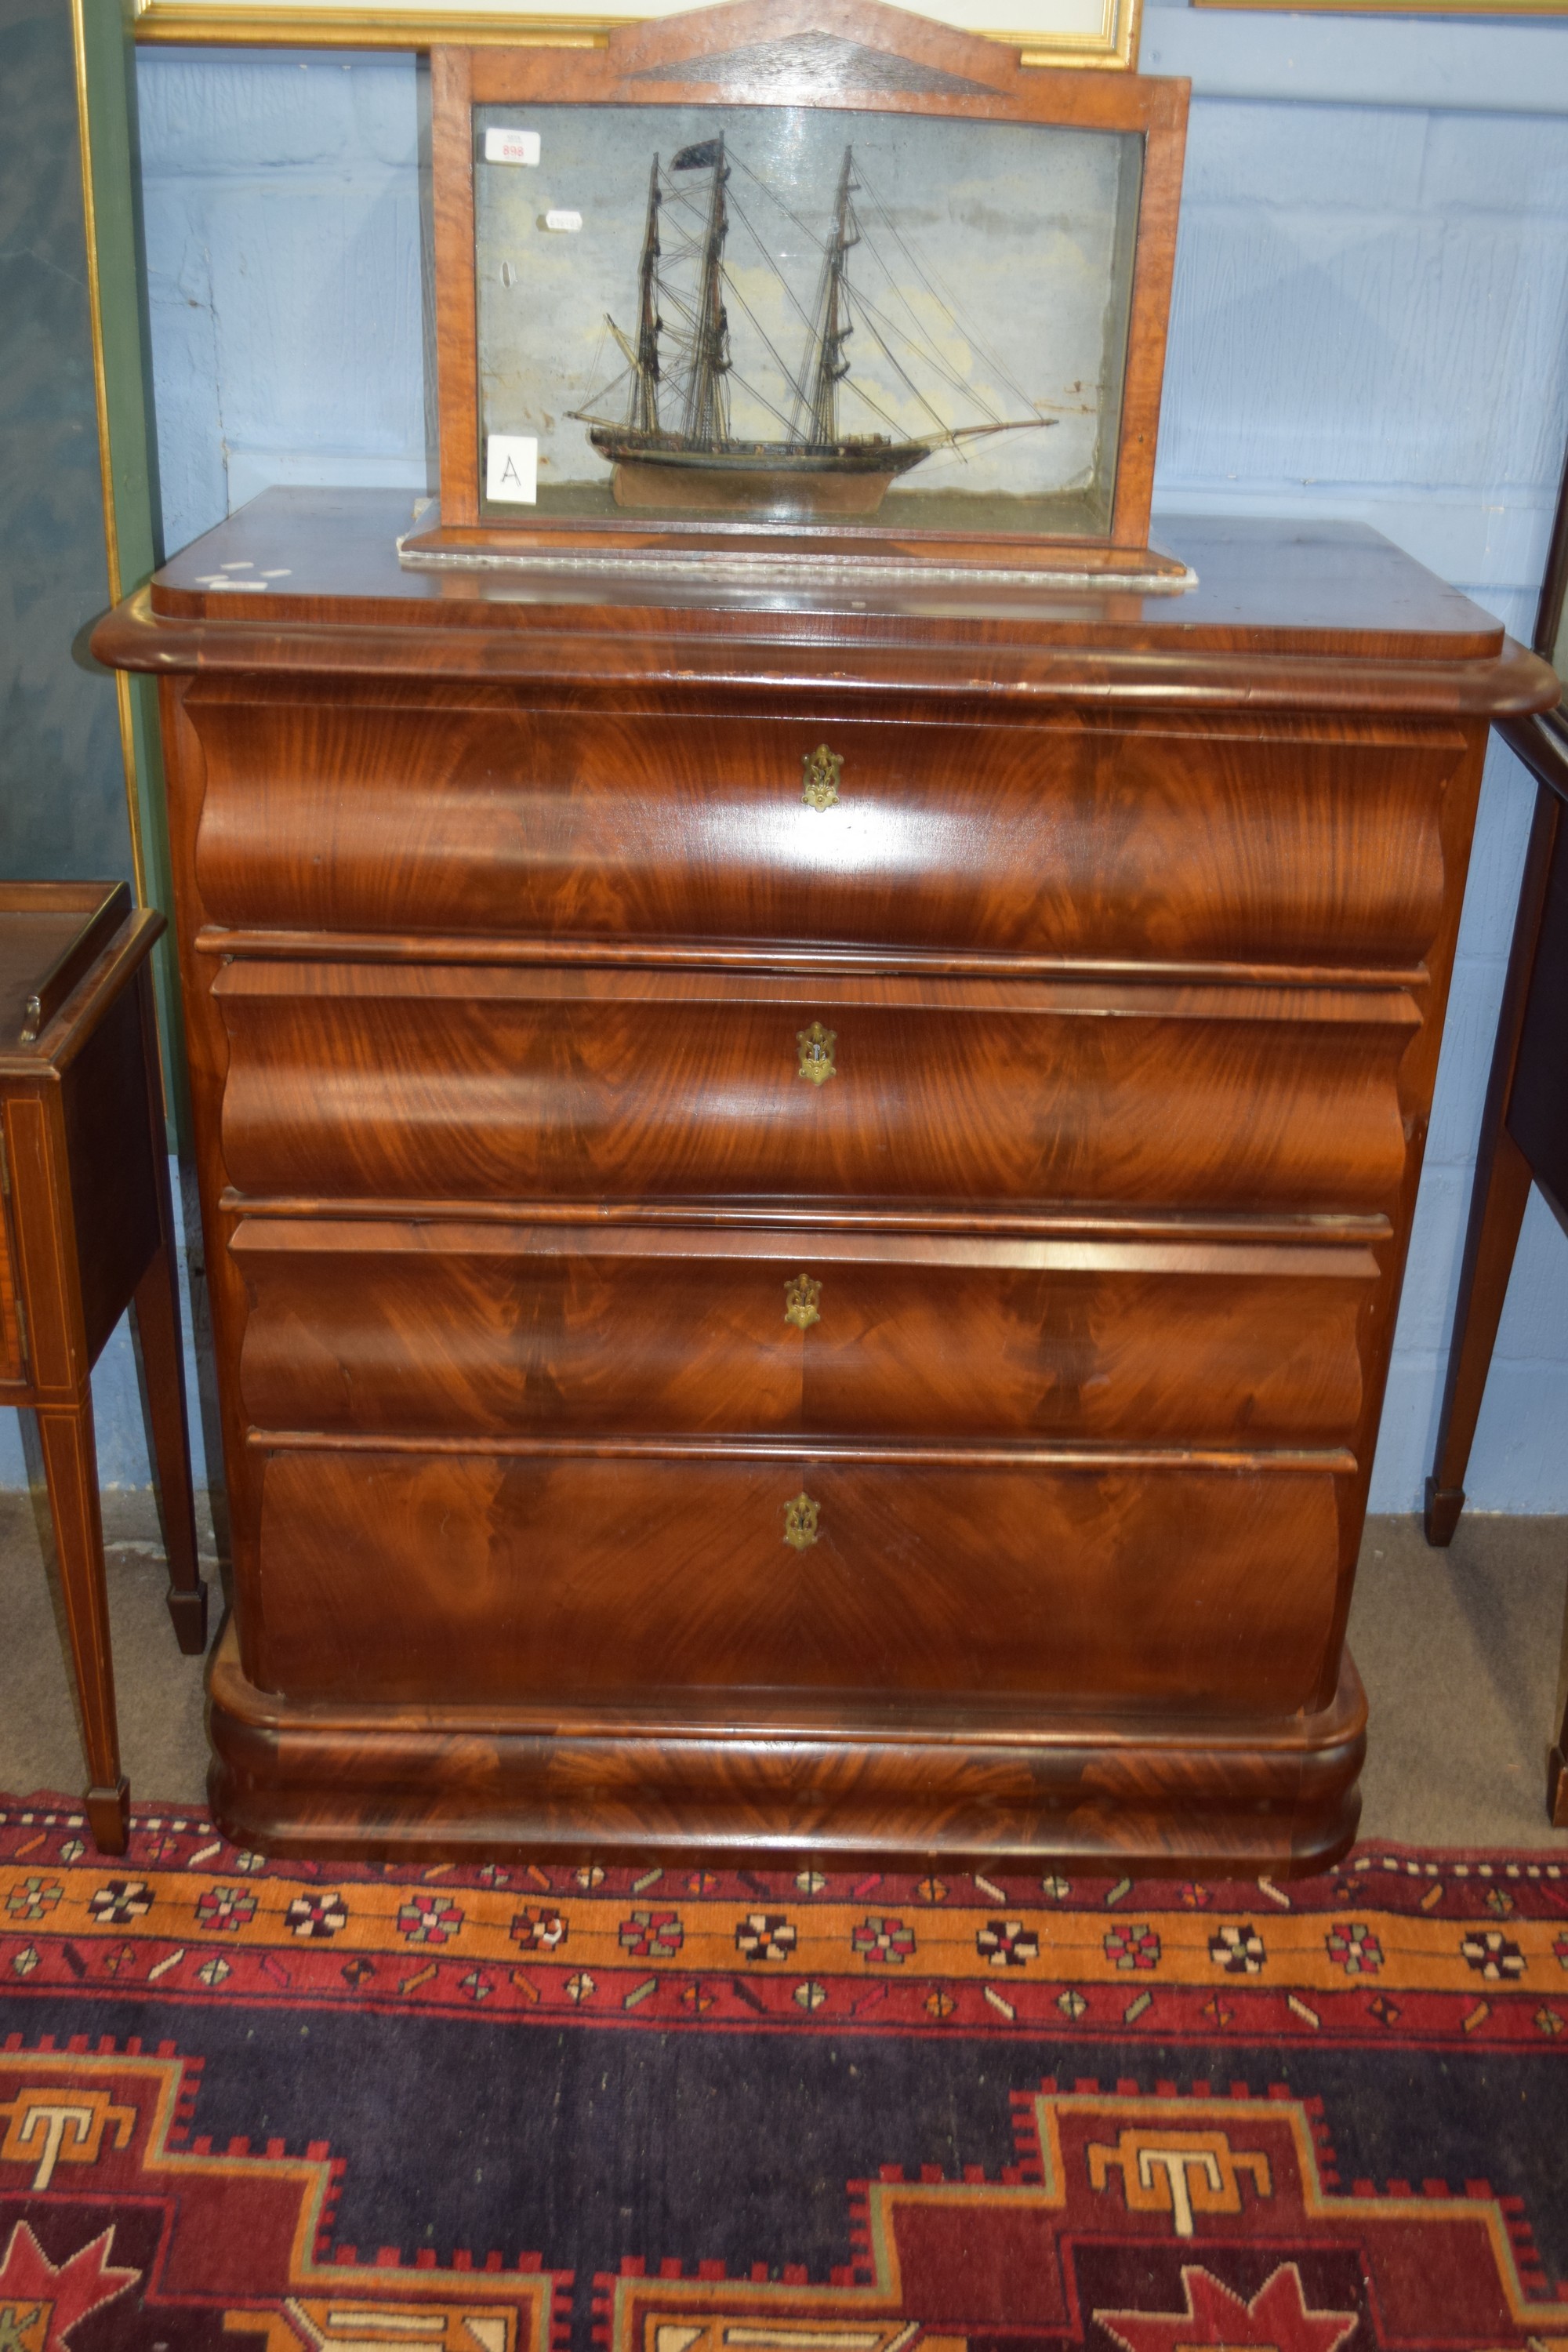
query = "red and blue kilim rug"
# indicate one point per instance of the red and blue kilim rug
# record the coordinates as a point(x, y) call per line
point(519, 2109)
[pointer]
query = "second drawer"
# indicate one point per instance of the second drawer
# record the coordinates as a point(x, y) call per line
point(409, 1082)
point(395, 1327)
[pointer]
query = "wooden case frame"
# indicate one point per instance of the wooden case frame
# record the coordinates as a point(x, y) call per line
point(861, 56)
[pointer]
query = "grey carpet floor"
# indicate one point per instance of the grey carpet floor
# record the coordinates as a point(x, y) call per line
point(1462, 1653)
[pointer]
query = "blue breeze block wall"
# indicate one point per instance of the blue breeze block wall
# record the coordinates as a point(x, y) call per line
point(1370, 321)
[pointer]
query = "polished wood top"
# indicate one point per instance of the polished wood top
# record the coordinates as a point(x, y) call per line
point(1260, 584)
point(1283, 614)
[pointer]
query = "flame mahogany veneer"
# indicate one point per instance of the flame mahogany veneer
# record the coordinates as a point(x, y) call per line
point(633, 1446)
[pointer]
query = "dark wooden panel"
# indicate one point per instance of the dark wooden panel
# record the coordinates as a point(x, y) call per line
point(374, 1327)
point(414, 1081)
point(41, 1236)
point(1538, 1104)
point(113, 1182)
point(464, 1577)
point(382, 815)
point(13, 1356)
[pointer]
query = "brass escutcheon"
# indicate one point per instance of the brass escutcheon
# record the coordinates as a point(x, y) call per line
point(800, 1302)
point(823, 769)
point(815, 1046)
point(800, 1521)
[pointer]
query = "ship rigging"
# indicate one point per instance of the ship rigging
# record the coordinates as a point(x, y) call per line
point(680, 365)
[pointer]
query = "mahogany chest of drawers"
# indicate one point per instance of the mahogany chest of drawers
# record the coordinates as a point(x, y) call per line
point(805, 1189)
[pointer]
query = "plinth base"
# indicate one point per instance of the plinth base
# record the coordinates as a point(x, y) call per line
point(854, 1785)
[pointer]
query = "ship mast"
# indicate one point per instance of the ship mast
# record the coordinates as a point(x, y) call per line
point(707, 405)
point(832, 366)
point(645, 377)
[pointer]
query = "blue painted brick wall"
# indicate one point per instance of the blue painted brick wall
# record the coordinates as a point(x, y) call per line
point(1370, 320)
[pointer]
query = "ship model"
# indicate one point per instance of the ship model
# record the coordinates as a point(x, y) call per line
point(685, 368)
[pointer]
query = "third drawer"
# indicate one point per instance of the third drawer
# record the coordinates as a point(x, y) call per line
point(399, 1327)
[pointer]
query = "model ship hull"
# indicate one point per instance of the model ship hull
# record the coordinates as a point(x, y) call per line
point(766, 478)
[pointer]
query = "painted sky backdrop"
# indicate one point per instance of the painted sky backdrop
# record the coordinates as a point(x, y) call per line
point(1015, 224)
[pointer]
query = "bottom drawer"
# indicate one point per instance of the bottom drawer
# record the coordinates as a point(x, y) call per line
point(442, 1577)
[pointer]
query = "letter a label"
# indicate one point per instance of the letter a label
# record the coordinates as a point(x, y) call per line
point(512, 470)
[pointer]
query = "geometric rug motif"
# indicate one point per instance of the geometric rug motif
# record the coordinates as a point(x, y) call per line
point(1150, 2224)
point(1390, 1941)
point(1145, 2224)
point(511, 2108)
point(110, 2233)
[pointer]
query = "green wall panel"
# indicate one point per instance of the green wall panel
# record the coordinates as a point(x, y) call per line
point(66, 806)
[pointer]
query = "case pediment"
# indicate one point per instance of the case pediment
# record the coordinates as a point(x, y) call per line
point(818, 61)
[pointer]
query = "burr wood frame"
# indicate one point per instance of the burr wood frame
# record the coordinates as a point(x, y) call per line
point(771, 53)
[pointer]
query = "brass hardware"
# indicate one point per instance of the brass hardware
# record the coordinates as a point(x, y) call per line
point(823, 769)
point(800, 1302)
point(816, 1045)
point(800, 1522)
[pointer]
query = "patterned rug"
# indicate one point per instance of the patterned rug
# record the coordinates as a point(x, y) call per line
point(515, 2109)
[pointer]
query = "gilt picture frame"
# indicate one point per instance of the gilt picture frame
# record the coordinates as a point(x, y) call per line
point(845, 285)
point(1093, 33)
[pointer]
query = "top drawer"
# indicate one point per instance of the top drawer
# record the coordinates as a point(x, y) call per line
point(1071, 838)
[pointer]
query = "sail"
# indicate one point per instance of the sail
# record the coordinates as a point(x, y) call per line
point(707, 404)
point(835, 326)
point(684, 276)
point(644, 410)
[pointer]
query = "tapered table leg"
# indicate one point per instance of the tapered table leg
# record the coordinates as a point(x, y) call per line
point(1557, 1779)
point(71, 1468)
point(1497, 1212)
point(156, 1312)
point(156, 1306)
point(1502, 1183)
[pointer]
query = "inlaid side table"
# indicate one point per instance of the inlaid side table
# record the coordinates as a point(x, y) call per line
point(86, 1229)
